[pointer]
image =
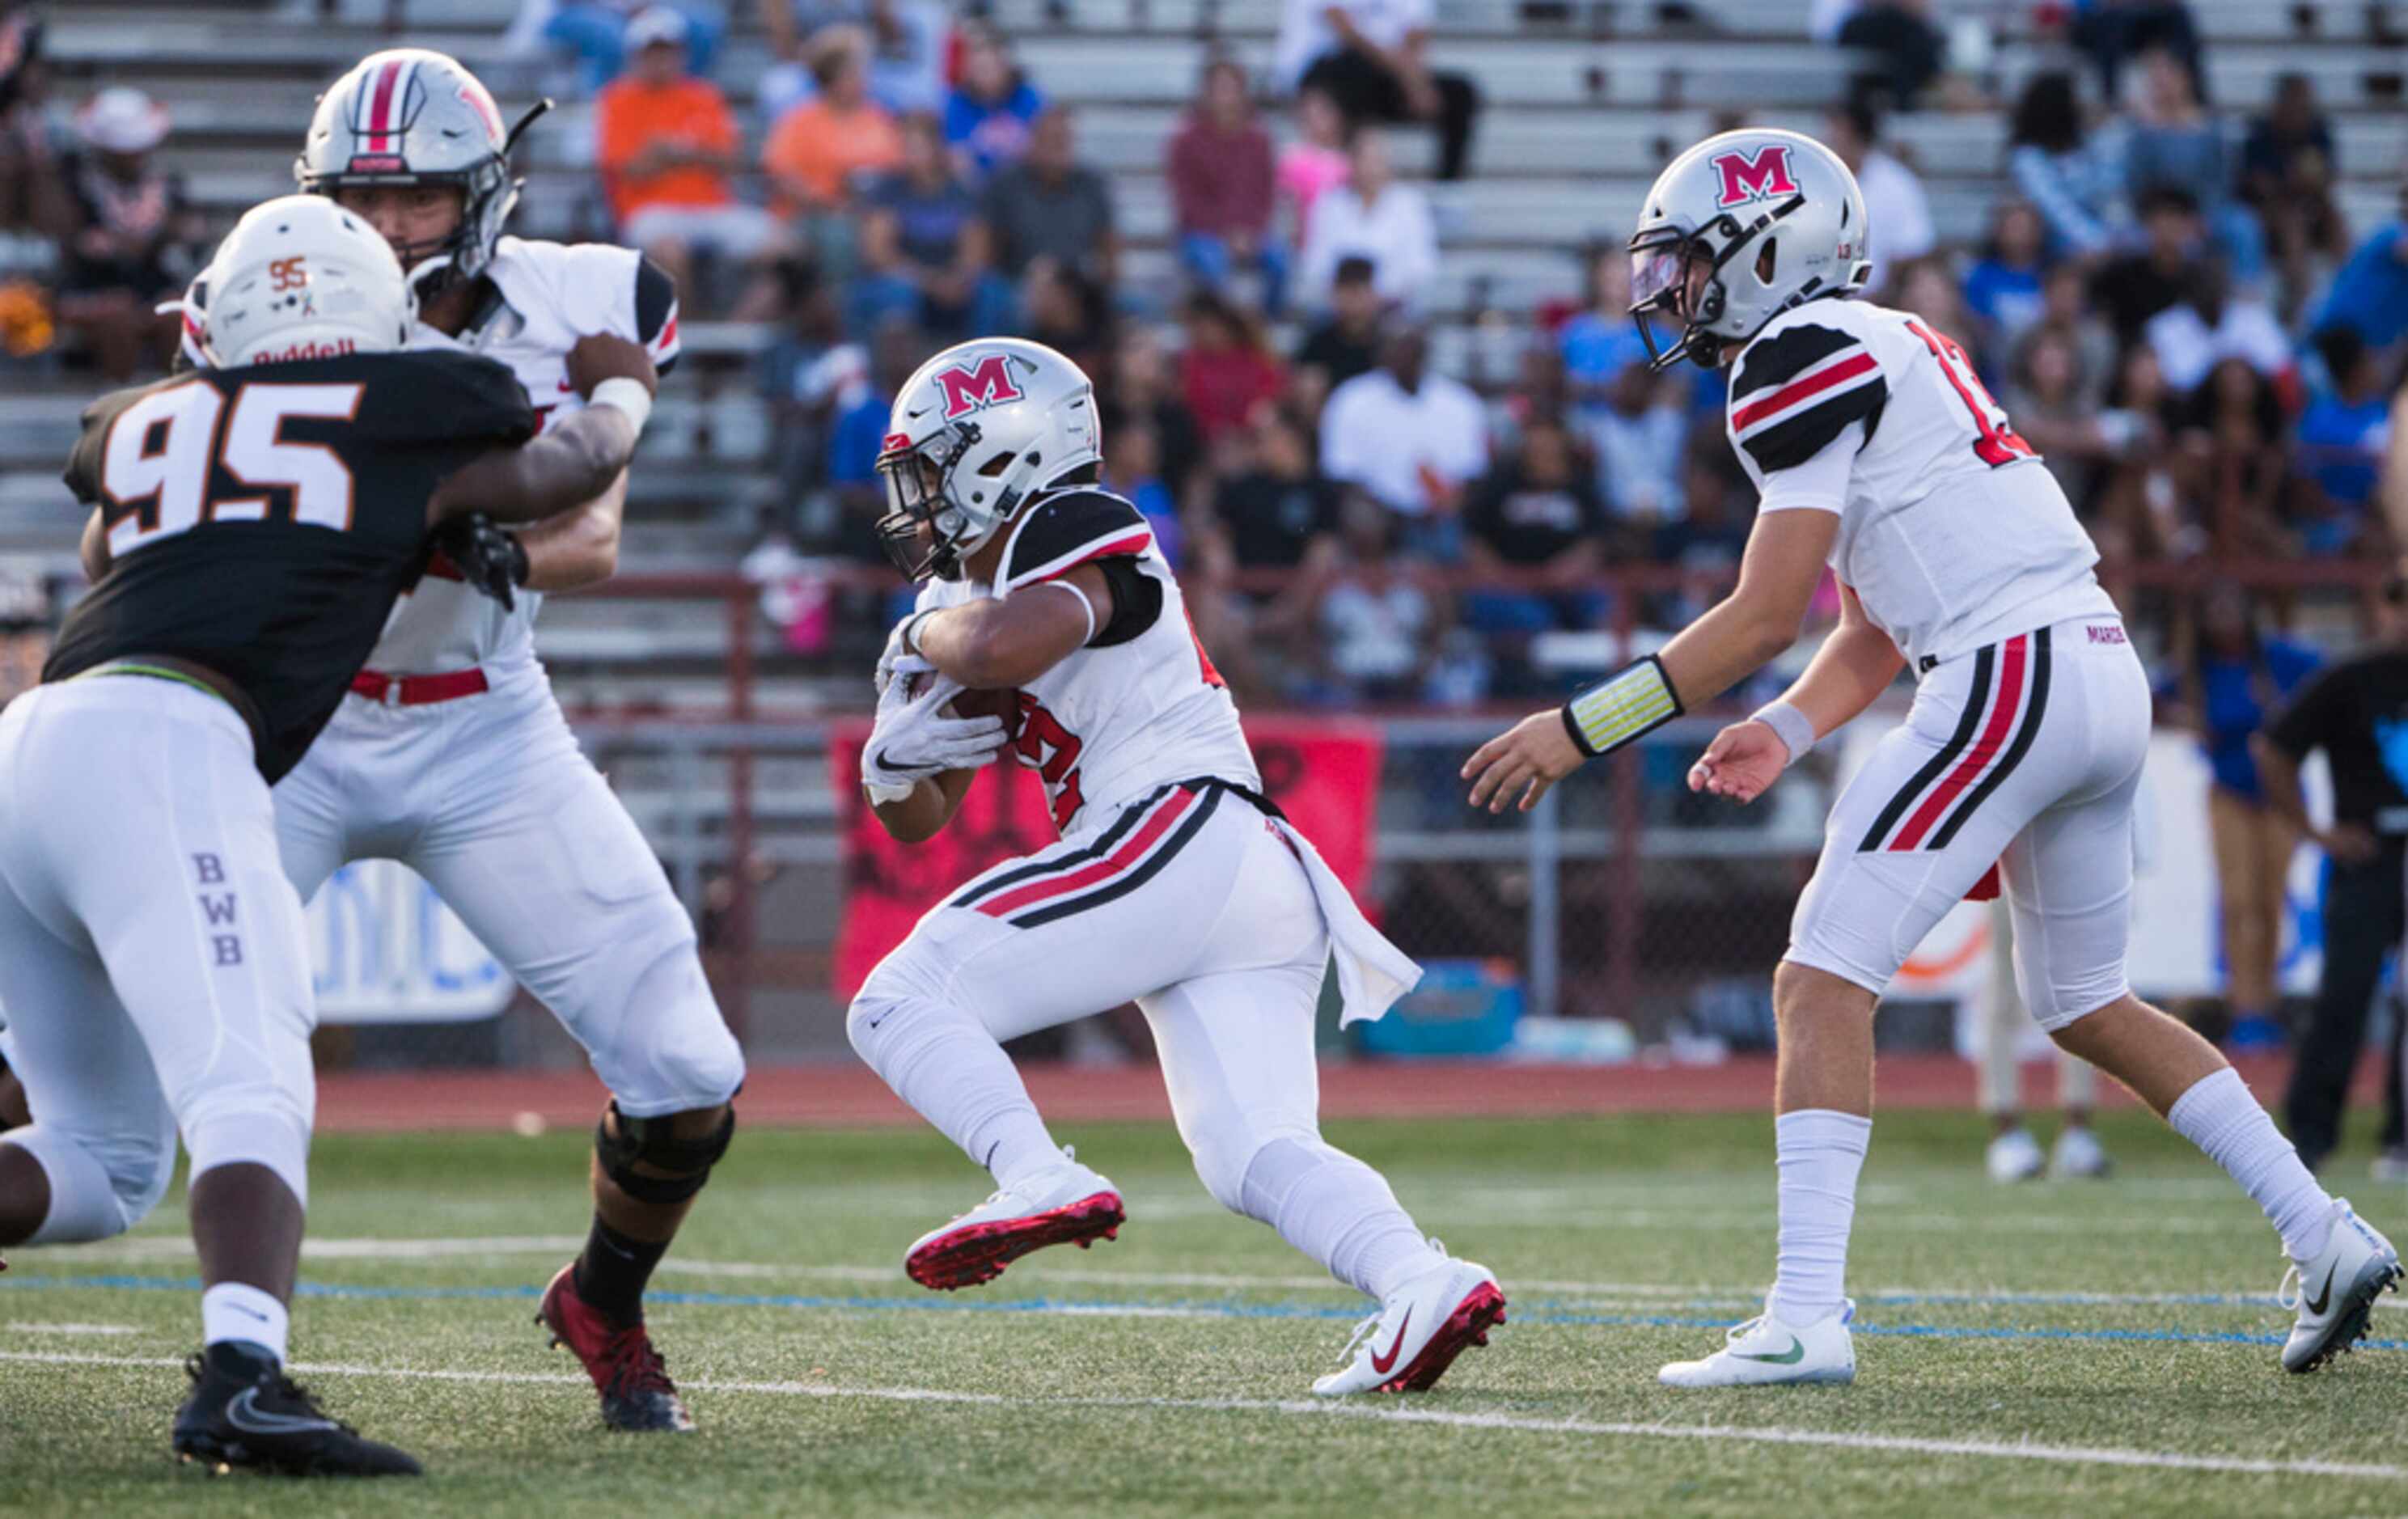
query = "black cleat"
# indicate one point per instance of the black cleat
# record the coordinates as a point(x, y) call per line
point(245, 1412)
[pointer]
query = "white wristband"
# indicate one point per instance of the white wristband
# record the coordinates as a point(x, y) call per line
point(628, 396)
point(1796, 729)
point(1084, 605)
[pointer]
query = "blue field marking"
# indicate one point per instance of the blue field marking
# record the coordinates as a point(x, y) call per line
point(1538, 1313)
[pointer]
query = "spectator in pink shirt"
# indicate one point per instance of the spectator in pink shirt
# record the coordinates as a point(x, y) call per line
point(1316, 165)
point(1222, 188)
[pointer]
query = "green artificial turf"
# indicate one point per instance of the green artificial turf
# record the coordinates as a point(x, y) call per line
point(1169, 1372)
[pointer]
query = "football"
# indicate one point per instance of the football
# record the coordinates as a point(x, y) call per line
point(1003, 703)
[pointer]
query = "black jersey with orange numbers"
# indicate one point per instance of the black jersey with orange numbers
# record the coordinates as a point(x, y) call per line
point(262, 521)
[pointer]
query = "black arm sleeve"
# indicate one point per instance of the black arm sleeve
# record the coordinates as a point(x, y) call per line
point(1136, 602)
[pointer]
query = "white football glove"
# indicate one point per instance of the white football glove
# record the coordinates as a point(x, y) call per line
point(914, 739)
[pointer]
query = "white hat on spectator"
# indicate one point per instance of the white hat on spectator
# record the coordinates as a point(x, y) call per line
point(122, 119)
point(655, 24)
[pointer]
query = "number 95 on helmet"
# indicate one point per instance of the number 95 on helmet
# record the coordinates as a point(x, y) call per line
point(301, 277)
point(975, 432)
point(1739, 229)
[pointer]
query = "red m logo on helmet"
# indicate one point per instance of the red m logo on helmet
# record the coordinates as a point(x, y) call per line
point(989, 383)
point(1757, 176)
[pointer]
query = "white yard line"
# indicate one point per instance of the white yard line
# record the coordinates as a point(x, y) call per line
point(1583, 1293)
point(1385, 1412)
point(29, 1328)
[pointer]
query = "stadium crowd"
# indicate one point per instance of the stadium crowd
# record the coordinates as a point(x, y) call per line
point(2167, 300)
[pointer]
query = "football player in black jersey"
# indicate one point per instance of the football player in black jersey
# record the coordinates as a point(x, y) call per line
point(253, 525)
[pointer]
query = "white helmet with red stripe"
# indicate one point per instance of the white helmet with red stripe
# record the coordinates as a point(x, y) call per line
point(301, 277)
point(1737, 230)
point(410, 116)
point(977, 430)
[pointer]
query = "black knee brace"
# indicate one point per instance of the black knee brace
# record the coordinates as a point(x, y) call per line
point(653, 1142)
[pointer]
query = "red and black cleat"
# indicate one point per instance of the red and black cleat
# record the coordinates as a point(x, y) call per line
point(637, 1393)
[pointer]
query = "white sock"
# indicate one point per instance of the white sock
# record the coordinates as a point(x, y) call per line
point(1819, 1153)
point(2220, 1117)
point(1338, 1211)
point(944, 1063)
point(232, 1311)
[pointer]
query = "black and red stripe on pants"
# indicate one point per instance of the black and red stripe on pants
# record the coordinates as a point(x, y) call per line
point(2025, 755)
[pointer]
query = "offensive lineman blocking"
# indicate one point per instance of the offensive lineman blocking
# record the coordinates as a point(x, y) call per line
point(1875, 448)
point(1177, 886)
point(451, 755)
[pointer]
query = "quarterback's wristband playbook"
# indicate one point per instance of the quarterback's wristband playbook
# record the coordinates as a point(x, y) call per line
point(1632, 702)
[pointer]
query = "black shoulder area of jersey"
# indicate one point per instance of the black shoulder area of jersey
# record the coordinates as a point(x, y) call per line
point(438, 395)
point(1069, 528)
point(1797, 390)
point(82, 473)
point(655, 302)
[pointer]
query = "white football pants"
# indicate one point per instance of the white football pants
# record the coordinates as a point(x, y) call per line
point(153, 957)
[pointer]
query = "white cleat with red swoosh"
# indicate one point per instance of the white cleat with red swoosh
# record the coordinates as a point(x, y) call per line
point(1068, 1204)
point(1419, 1331)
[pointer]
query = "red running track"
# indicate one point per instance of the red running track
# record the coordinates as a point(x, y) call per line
point(845, 1096)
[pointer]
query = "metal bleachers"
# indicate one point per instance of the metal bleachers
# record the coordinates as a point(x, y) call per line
point(1585, 100)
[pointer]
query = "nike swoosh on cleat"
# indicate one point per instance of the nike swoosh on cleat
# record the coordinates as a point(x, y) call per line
point(1382, 1363)
point(1794, 1353)
point(2324, 1295)
point(245, 1414)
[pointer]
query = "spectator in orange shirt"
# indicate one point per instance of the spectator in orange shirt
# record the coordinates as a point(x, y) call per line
point(818, 150)
point(668, 145)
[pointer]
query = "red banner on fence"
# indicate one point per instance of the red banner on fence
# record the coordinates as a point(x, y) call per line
point(1324, 774)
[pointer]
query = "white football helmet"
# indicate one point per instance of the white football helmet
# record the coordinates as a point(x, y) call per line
point(410, 116)
point(975, 432)
point(1770, 220)
point(301, 277)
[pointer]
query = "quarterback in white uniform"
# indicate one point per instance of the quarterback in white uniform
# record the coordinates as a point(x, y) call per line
point(1878, 452)
point(1176, 884)
point(451, 754)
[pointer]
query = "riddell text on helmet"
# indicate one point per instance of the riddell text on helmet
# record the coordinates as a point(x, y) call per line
point(311, 350)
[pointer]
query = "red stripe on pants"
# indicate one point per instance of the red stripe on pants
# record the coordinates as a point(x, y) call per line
point(1986, 748)
point(1111, 865)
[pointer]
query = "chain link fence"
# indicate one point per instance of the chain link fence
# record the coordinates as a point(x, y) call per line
point(1623, 912)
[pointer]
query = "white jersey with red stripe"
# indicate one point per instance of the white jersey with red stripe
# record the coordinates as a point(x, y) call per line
point(1140, 707)
point(543, 297)
point(1952, 533)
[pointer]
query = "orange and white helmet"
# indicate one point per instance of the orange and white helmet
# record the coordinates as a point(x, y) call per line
point(301, 277)
point(410, 116)
point(974, 432)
